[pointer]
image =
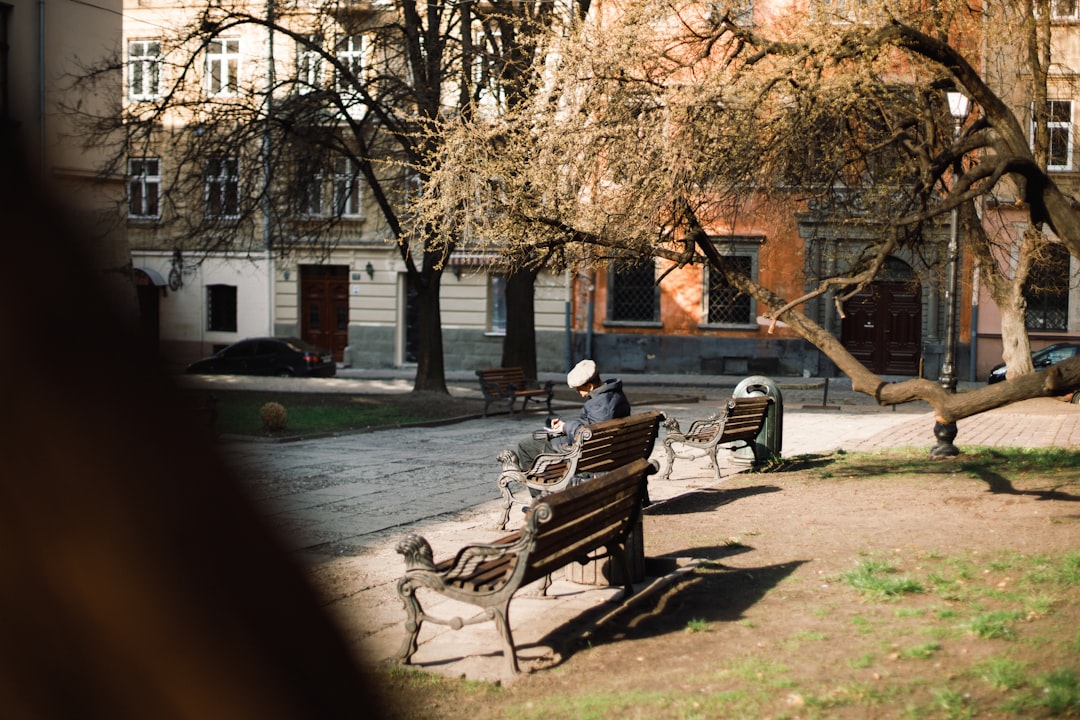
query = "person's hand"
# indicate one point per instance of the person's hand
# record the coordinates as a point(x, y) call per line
point(556, 424)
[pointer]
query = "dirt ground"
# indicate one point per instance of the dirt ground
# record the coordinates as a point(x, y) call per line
point(771, 621)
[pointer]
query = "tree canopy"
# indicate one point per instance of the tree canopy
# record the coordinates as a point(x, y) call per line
point(663, 123)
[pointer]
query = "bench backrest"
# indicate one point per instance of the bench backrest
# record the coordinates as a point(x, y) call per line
point(500, 379)
point(567, 525)
point(744, 417)
point(601, 447)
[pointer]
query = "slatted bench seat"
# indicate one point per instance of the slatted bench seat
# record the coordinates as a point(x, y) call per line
point(562, 528)
point(736, 425)
point(510, 384)
point(598, 448)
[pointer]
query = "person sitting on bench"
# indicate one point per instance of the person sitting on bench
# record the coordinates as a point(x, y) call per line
point(604, 400)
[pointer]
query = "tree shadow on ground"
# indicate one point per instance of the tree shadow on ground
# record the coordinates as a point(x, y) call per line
point(1000, 485)
point(710, 592)
point(706, 500)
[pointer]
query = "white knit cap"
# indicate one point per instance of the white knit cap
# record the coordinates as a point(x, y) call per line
point(582, 373)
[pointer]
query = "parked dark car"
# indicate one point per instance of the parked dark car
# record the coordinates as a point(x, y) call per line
point(1049, 355)
point(284, 357)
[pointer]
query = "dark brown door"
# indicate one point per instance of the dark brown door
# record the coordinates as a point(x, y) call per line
point(883, 328)
point(324, 306)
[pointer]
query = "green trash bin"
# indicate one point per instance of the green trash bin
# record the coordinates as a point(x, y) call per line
point(771, 437)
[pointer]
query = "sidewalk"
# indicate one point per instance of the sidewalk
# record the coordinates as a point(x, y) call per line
point(346, 502)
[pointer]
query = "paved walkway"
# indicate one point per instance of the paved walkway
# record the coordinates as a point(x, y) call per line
point(342, 503)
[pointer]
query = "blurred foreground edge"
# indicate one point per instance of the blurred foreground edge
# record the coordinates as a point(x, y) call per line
point(138, 581)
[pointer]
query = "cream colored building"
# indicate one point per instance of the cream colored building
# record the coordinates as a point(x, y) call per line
point(355, 298)
point(44, 45)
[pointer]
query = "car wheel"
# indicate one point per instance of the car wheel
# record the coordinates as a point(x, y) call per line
point(285, 372)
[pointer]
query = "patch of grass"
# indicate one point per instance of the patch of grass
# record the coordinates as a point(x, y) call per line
point(996, 624)
point(920, 652)
point(861, 662)
point(984, 464)
point(1001, 673)
point(1060, 691)
point(864, 626)
point(954, 705)
point(877, 579)
point(862, 694)
point(797, 640)
point(697, 625)
point(1056, 692)
point(762, 671)
point(238, 412)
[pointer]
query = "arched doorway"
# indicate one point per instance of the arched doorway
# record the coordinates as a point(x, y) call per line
point(883, 324)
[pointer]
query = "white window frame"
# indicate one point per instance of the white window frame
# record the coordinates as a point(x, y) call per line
point(144, 69)
point(218, 184)
point(351, 52)
point(310, 66)
point(143, 184)
point(1051, 127)
point(729, 247)
point(348, 188)
point(223, 67)
point(1064, 9)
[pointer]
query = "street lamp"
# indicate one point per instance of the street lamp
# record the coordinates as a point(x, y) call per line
point(958, 108)
point(946, 432)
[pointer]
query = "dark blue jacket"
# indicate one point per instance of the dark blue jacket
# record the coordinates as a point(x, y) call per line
point(606, 402)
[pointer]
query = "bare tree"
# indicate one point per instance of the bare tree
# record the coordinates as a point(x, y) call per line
point(249, 160)
point(667, 120)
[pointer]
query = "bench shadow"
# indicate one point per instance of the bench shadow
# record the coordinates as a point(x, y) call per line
point(705, 500)
point(1000, 485)
point(710, 592)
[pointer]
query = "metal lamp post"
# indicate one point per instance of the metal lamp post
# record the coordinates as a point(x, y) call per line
point(946, 432)
point(958, 108)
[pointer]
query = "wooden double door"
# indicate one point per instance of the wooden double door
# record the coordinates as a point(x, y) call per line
point(324, 307)
point(883, 328)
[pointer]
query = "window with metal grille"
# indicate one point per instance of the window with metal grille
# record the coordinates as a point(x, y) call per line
point(1047, 291)
point(632, 292)
point(724, 304)
point(221, 308)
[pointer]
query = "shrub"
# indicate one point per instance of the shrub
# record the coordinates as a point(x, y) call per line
point(273, 416)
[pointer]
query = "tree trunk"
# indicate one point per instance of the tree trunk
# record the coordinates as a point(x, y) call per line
point(1016, 349)
point(430, 365)
point(519, 344)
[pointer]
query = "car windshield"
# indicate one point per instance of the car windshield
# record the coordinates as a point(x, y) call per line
point(1056, 355)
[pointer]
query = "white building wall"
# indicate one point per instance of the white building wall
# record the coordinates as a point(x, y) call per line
point(183, 309)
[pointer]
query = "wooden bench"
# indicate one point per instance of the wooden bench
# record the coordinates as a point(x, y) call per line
point(736, 425)
point(598, 448)
point(563, 528)
point(510, 384)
